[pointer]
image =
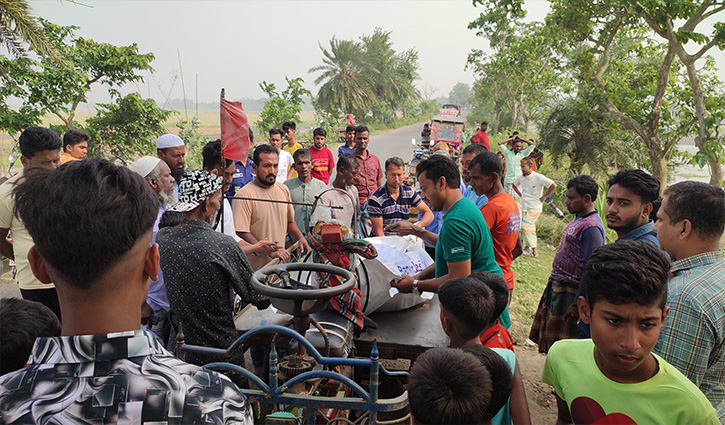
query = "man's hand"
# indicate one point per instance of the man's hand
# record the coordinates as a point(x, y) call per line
point(572, 313)
point(265, 247)
point(282, 254)
point(304, 246)
point(403, 228)
point(146, 313)
point(404, 285)
point(543, 198)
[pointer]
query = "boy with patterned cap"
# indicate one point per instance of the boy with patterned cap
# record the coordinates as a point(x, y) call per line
point(202, 267)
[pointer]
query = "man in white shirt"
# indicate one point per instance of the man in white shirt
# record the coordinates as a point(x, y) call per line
point(530, 187)
point(286, 162)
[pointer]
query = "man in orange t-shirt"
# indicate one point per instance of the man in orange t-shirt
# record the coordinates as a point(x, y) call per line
point(500, 212)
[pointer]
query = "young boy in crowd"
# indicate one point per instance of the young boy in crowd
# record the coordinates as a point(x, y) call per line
point(322, 159)
point(499, 363)
point(23, 321)
point(467, 308)
point(614, 374)
point(495, 335)
point(449, 387)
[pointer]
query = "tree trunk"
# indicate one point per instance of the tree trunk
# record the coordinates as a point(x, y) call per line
point(703, 133)
point(658, 160)
point(496, 120)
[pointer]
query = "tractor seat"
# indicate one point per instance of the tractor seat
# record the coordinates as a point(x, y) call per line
point(339, 330)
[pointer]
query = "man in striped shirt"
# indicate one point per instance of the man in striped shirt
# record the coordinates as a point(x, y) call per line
point(689, 226)
point(392, 201)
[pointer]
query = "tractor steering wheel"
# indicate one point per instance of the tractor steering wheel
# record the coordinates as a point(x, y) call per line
point(286, 290)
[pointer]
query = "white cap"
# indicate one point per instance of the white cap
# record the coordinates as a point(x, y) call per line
point(169, 141)
point(145, 165)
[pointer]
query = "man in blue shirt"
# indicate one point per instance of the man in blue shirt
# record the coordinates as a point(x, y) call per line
point(467, 156)
point(243, 173)
point(349, 145)
point(392, 201)
point(629, 204)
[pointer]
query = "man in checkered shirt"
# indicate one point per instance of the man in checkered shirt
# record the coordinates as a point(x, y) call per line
point(689, 227)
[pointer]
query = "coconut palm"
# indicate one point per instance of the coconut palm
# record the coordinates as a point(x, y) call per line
point(347, 81)
point(18, 26)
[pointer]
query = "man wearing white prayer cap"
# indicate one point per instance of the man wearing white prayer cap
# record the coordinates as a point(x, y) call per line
point(155, 311)
point(170, 149)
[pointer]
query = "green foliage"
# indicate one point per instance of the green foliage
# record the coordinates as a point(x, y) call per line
point(193, 140)
point(281, 107)
point(45, 87)
point(429, 108)
point(367, 78)
point(17, 25)
point(128, 128)
point(460, 93)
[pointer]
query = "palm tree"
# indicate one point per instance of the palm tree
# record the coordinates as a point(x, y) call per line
point(348, 80)
point(18, 26)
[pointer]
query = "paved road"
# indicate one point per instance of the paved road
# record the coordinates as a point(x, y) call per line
point(393, 143)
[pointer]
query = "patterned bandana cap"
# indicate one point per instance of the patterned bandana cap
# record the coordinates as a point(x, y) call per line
point(194, 188)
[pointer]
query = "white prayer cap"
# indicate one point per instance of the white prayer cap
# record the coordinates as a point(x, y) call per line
point(169, 141)
point(145, 165)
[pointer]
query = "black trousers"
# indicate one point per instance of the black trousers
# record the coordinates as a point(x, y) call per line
point(47, 297)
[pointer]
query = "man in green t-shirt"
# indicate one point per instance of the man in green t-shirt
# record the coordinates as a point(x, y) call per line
point(464, 243)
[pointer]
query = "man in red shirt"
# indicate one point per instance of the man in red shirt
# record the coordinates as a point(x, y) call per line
point(500, 212)
point(370, 176)
point(481, 137)
point(322, 159)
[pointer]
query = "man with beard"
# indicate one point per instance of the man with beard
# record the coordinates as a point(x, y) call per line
point(170, 149)
point(213, 162)
point(202, 267)
point(258, 220)
point(556, 317)
point(40, 150)
point(464, 243)
point(391, 203)
point(467, 155)
point(627, 211)
point(629, 204)
point(303, 188)
point(155, 310)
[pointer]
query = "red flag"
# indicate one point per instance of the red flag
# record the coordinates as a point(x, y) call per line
point(235, 131)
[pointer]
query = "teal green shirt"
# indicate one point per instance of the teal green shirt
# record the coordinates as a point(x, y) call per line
point(465, 236)
point(303, 192)
point(513, 161)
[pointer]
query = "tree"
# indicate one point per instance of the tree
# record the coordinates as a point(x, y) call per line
point(460, 93)
point(524, 65)
point(367, 77)
point(46, 87)
point(348, 80)
point(17, 26)
point(663, 19)
point(128, 128)
point(632, 73)
point(281, 107)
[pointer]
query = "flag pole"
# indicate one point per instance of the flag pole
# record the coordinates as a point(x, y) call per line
point(223, 162)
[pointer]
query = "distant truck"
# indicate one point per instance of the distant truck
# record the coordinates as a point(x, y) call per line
point(451, 109)
point(449, 129)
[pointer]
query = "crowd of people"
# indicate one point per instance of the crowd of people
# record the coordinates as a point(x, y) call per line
point(113, 261)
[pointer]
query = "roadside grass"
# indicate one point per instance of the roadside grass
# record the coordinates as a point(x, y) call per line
point(531, 275)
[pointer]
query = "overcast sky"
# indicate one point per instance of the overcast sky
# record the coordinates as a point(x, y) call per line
point(238, 44)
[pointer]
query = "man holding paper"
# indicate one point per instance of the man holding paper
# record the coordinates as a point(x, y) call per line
point(464, 244)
